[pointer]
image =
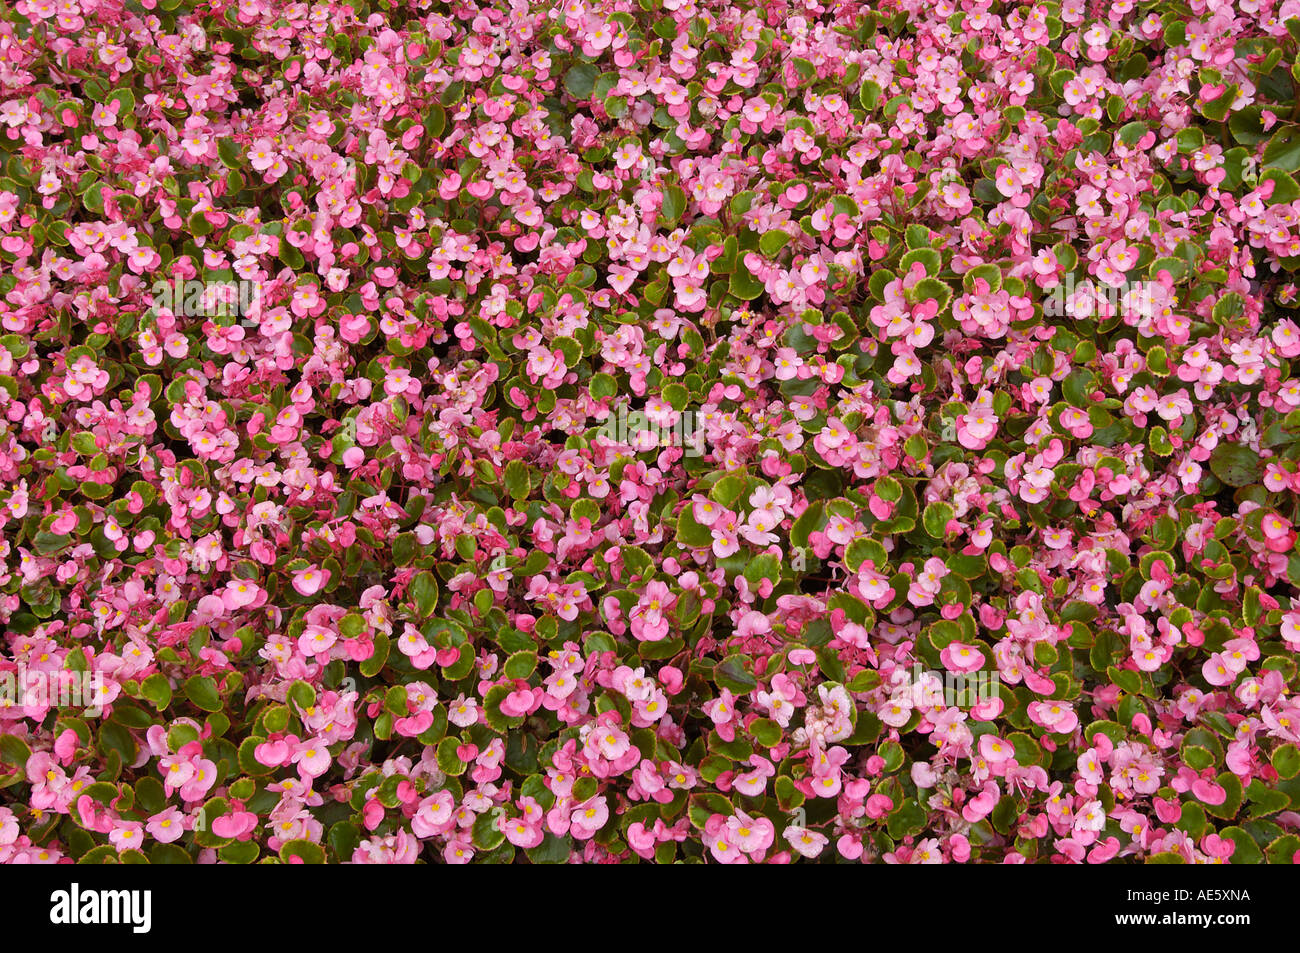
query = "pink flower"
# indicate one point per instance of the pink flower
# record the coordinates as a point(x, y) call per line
point(649, 618)
point(127, 835)
point(960, 658)
point(166, 826)
point(751, 835)
point(753, 623)
point(1056, 717)
point(994, 750)
point(312, 758)
point(240, 593)
point(1076, 422)
point(1209, 792)
point(980, 806)
point(587, 818)
point(1279, 536)
point(1217, 670)
point(806, 842)
point(974, 430)
point(309, 581)
point(522, 834)
point(519, 703)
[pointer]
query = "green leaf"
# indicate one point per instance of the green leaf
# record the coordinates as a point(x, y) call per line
point(932, 289)
point(1283, 150)
point(690, 533)
point(424, 590)
point(1168, 857)
point(93, 198)
point(674, 205)
point(1285, 189)
point(448, 760)
point(870, 95)
point(1217, 109)
point(1286, 761)
point(1158, 441)
point(728, 490)
point(744, 285)
point(1265, 800)
point(344, 837)
point(732, 675)
point(909, 818)
point(517, 479)
point(14, 751)
point(372, 666)
point(580, 80)
point(1283, 849)
point(1247, 851)
point(352, 625)
point(604, 83)
point(520, 664)
point(240, 853)
point(1131, 133)
point(763, 566)
point(485, 832)
point(766, 732)
point(158, 690)
point(305, 851)
point(169, 854)
point(658, 651)
point(1235, 464)
point(772, 242)
point(1231, 784)
point(1246, 126)
point(229, 152)
point(202, 691)
point(830, 664)
point(49, 544)
point(936, 517)
point(302, 694)
point(552, 850)
point(1176, 267)
point(1229, 307)
point(933, 263)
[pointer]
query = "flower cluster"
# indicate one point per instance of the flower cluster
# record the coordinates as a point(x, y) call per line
point(970, 322)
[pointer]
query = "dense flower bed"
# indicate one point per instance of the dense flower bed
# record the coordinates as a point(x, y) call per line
point(606, 430)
